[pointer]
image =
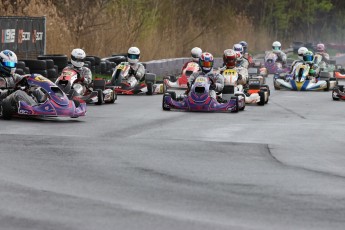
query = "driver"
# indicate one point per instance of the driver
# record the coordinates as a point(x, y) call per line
point(308, 58)
point(137, 70)
point(206, 64)
point(10, 82)
point(77, 64)
point(276, 48)
point(230, 60)
point(320, 49)
point(195, 53)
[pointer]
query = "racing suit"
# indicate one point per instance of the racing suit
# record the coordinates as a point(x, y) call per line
point(185, 64)
point(325, 56)
point(135, 73)
point(84, 74)
point(216, 78)
point(31, 96)
point(242, 74)
point(281, 56)
point(242, 63)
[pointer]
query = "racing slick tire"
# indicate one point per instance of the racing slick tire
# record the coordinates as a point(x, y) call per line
point(268, 89)
point(327, 86)
point(236, 99)
point(113, 99)
point(262, 98)
point(99, 97)
point(165, 107)
point(149, 88)
point(172, 94)
point(6, 109)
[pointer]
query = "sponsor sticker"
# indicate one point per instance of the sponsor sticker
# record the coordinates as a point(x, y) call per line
point(8, 35)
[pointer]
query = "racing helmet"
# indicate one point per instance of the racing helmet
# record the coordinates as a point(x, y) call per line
point(196, 53)
point(133, 55)
point(308, 57)
point(239, 56)
point(78, 57)
point(244, 45)
point(238, 48)
point(8, 62)
point(206, 62)
point(276, 47)
point(301, 51)
point(230, 58)
point(320, 47)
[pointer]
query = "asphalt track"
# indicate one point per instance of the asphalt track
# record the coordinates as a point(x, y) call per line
point(132, 165)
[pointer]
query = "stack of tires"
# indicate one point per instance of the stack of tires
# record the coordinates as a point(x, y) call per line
point(22, 68)
point(44, 67)
point(108, 64)
point(60, 60)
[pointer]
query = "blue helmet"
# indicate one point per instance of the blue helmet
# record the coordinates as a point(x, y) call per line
point(8, 62)
point(244, 45)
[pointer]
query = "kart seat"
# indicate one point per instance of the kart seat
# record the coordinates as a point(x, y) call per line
point(99, 84)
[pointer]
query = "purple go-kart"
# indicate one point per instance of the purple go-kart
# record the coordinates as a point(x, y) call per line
point(198, 99)
point(56, 104)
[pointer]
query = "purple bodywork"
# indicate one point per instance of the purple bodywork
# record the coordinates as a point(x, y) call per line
point(199, 99)
point(57, 104)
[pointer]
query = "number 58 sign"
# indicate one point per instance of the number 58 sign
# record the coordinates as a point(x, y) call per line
point(8, 35)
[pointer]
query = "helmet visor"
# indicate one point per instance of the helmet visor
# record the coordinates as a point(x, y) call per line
point(195, 55)
point(206, 63)
point(77, 59)
point(9, 64)
point(308, 58)
point(230, 61)
point(275, 47)
point(133, 56)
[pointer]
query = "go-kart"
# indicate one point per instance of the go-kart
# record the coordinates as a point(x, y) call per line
point(97, 92)
point(181, 82)
point(338, 93)
point(260, 65)
point(273, 65)
point(339, 73)
point(300, 80)
point(120, 80)
point(56, 104)
point(199, 99)
point(253, 93)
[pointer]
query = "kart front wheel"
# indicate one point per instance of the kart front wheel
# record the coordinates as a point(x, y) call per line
point(149, 86)
point(7, 109)
point(165, 106)
point(262, 98)
point(113, 98)
point(99, 97)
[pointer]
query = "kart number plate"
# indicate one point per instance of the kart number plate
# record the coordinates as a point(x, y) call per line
point(200, 79)
point(230, 72)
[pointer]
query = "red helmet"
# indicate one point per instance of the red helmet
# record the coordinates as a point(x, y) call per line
point(206, 62)
point(230, 58)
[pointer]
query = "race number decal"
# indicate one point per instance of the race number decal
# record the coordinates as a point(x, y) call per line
point(200, 79)
point(67, 73)
point(230, 72)
point(41, 78)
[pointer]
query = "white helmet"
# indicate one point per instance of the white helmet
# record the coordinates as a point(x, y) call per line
point(238, 48)
point(133, 55)
point(301, 52)
point(276, 46)
point(78, 57)
point(196, 53)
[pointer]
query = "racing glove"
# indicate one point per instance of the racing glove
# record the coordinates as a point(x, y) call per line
point(213, 86)
point(131, 72)
point(239, 77)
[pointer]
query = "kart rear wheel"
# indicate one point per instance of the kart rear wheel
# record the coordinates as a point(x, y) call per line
point(99, 97)
point(268, 89)
point(327, 86)
point(172, 94)
point(165, 106)
point(7, 110)
point(149, 88)
point(262, 98)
